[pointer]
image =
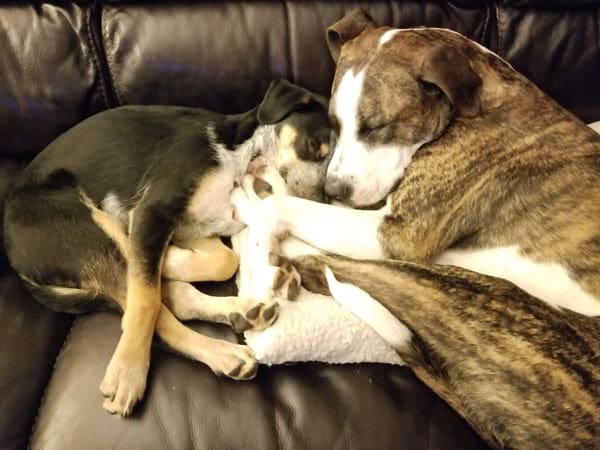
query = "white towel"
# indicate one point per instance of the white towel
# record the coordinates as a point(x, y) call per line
point(313, 327)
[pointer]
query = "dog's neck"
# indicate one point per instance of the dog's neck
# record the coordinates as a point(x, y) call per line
point(262, 142)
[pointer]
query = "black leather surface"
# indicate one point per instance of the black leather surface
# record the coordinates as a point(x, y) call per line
point(307, 406)
point(31, 337)
point(61, 62)
point(559, 50)
point(48, 74)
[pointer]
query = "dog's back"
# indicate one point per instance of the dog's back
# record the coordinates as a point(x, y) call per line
point(68, 213)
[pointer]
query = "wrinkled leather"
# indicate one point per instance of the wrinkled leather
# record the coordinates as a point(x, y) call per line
point(61, 62)
point(48, 74)
point(310, 406)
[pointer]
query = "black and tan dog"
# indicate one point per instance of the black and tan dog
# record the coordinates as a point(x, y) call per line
point(481, 171)
point(136, 195)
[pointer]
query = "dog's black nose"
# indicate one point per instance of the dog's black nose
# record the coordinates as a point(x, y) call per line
point(338, 189)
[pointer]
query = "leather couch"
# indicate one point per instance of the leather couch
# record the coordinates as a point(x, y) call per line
point(61, 62)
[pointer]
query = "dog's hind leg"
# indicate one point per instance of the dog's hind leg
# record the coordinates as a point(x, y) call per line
point(222, 357)
point(152, 223)
point(188, 303)
point(209, 259)
point(524, 374)
point(206, 259)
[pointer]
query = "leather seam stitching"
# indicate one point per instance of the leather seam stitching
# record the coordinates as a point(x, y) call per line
point(109, 61)
point(95, 58)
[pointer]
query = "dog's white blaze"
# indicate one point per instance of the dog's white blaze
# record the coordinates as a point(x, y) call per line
point(387, 36)
point(346, 102)
point(549, 282)
point(370, 311)
point(372, 171)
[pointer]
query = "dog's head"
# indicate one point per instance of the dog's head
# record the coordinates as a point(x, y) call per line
point(302, 132)
point(393, 91)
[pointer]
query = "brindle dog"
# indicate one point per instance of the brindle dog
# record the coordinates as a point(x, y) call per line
point(480, 170)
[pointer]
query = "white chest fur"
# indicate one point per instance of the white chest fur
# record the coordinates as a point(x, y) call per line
point(209, 211)
point(549, 282)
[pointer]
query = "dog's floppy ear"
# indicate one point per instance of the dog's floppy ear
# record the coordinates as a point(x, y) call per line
point(449, 69)
point(347, 28)
point(282, 98)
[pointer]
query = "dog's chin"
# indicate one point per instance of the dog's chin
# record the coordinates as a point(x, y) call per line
point(375, 201)
point(356, 205)
point(380, 204)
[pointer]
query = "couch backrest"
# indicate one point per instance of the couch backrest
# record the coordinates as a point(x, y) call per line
point(61, 62)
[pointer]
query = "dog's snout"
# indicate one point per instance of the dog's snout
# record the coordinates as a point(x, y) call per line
point(338, 189)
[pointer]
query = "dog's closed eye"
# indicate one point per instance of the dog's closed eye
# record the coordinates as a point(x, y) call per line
point(366, 129)
point(430, 88)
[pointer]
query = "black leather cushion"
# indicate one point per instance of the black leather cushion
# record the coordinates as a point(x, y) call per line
point(61, 63)
point(31, 337)
point(220, 55)
point(48, 74)
point(557, 49)
point(302, 406)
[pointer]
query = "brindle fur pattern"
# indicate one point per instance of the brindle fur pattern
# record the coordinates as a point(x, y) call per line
point(523, 374)
point(511, 168)
point(547, 161)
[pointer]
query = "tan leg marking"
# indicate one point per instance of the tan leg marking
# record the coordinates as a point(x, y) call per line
point(113, 228)
point(124, 382)
point(222, 357)
point(206, 259)
point(188, 303)
point(199, 260)
point(108, 223)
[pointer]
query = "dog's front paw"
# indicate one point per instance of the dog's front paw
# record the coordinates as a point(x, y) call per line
point(254, 315)
point(276, 280)
point(124, 384)
point(286, 283)
point(312, 271)
point(242, 207)
point(267, 179)
point(234, 361)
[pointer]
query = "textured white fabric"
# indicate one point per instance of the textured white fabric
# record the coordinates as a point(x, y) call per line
point(313, 327)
